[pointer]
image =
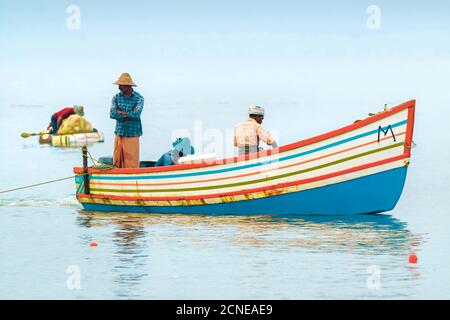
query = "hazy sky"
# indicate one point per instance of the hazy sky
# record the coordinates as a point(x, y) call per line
point(225, 51)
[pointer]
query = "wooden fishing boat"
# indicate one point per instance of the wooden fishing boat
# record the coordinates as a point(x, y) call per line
point(360, 168)
point(71, 140)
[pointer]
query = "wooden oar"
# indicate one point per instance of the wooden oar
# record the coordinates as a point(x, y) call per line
point(28, 134)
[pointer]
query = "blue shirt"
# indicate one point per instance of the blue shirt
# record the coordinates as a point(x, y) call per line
point(130, 126)
point(167, 159)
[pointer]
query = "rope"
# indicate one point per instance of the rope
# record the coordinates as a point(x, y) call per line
point(37, 184)
point(98, 164)
point(94, 161)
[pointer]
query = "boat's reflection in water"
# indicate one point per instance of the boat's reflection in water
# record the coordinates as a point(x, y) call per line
point(365, 233)
point(361, 235)
point(129, 239)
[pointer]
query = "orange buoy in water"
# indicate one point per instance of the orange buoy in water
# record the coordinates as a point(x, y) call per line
point(412, 258)
point(93, 244)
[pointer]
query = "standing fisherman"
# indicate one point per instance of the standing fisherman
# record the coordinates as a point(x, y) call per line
point(126, 109)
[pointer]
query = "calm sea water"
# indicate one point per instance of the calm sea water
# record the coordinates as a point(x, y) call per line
point(45, 235)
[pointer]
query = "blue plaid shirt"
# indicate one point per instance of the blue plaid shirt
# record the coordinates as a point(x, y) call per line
point(130, 126)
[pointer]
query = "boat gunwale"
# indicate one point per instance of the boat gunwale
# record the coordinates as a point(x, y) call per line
point(410, 105)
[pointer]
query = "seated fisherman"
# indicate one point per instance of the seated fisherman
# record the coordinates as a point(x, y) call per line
point(58, 117)
point(181, 147)
point(248, 134)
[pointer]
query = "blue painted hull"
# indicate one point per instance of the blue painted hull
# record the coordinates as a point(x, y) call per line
point(371, 194)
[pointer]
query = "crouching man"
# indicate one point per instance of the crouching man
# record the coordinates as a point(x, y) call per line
point(181, 148)
point(59, 116)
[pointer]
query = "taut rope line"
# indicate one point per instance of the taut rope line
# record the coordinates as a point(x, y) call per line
point(94, 161)
point(37, 184)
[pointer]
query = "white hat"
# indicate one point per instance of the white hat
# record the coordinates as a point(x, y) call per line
point(255, 110)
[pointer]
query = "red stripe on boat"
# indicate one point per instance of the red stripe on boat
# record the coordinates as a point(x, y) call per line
point(261, 189)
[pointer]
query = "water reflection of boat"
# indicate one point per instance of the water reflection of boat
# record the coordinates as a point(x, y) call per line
point(129, 238)
point(360, 168)
point(363, 233)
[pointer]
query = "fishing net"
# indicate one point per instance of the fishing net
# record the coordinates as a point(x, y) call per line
point(75, 124)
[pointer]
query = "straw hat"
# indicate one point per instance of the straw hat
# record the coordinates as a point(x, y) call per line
point(256, 110)
point(79, 110)
point(125, 80)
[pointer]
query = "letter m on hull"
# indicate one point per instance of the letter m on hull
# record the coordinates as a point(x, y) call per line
point(385, 131)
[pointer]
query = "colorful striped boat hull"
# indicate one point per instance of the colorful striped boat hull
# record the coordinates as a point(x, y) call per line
point(357, 169)
point(369, 194)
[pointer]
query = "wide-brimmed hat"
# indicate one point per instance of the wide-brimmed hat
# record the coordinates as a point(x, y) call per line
point(79, 110)
point(125, 80)
point(184, 146)
point(256, 110)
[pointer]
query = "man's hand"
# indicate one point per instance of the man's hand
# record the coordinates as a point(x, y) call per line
point(122, 113)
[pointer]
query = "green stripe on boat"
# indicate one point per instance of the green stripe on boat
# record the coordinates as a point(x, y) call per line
point(257, 180)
